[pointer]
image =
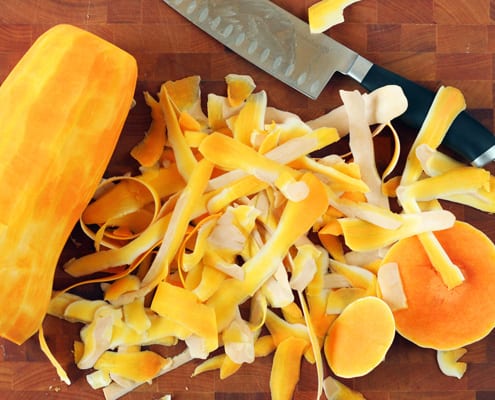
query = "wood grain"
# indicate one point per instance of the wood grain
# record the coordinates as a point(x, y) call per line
point(449, 42)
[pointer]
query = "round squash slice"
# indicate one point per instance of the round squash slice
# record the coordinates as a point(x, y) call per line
point(441, 318)
point(360, 337)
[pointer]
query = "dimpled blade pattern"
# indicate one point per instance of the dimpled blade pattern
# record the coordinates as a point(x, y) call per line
point(272, 39)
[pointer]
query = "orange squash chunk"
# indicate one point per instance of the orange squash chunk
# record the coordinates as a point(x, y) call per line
point(437, 317)
point(360, 337)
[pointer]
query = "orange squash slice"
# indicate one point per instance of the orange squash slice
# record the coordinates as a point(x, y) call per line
point(360, 337)
point(441, 318)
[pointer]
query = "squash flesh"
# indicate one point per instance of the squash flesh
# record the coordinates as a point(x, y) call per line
point(438, 317)
point(53, 132)
point(360, 337)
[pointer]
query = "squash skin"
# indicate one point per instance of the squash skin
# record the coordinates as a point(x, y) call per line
point(437, 317)
point(63, 108)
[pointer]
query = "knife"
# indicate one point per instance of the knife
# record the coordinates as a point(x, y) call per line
point(281, 44)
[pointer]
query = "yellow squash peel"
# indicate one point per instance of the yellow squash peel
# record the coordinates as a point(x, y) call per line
point(250, 218)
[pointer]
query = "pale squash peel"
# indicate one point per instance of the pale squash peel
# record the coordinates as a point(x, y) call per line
point(448, 361)
point(326, 13)
point(335, 390)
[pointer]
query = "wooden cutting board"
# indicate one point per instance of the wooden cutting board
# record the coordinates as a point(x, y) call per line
point(449, 42)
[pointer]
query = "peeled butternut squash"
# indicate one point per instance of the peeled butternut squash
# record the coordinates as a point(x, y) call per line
point(63, 108)
point(441, 318)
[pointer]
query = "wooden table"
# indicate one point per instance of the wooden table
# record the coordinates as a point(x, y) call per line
point(434, 42)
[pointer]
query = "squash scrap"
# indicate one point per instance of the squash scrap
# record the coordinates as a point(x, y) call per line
point(340, 298)
point(381, 106)
point(99, 379)
point(183, 154)
point(326, 13)
point(116, 390)
point(447, 104)
point(149, 150)
point(238, 340)
point(138, 366)
point(90, 83)
point(335, 390)
point(435, 163)
point(448, 361)
point(361, 235)
point(239, 88)
point(390, 286)
point(286, 367)
point(224, 151)
point(258, 248)
point(251, 118)
point(199, 319)
point(361, 144)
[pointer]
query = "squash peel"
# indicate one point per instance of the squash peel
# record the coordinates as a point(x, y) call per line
point(326, 13)
point(335, 390)
point(139, 366)
point(239, 88)
point(149, 150)
point(390, 286)
point(246, 216)
point(286, 367)
point(199, 319)
point(448, 361)
point(448, 103)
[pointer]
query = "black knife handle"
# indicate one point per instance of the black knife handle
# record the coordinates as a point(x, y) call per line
point(466, 136)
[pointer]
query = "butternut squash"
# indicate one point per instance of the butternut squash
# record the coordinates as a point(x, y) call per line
point(63, 108)
point(441, 318)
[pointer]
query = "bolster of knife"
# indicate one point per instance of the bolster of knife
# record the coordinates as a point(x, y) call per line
point(466, 136)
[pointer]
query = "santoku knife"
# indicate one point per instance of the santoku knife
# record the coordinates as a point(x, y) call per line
point(282, 45)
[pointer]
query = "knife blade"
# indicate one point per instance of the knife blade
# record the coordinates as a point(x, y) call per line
point(282, 45)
